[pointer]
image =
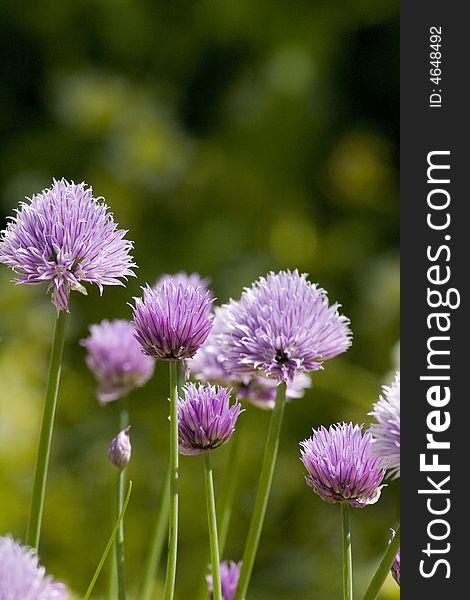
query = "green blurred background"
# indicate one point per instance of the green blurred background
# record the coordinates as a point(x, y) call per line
point(230, 138)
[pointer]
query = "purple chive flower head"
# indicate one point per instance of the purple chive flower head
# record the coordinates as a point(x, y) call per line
point(119, 452)
point(21, 576)
point(66, 237)
point(229, 575)
point(283, 325)
point(396, 568)
point(210, 364)
point(340, 465)
point(172, 321)
point(386, 431)
point(205, 418)
point(186, 279)
point(116, 359)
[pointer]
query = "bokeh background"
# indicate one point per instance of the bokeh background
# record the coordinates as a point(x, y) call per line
point(230, 138)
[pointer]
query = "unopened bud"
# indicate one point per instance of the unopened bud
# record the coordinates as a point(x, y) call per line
point(119, 452)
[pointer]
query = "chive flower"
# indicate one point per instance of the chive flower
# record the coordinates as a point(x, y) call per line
point(340, 465)
point(229, 575)
point(116, 359)
point(66, 237)
point(210, 364)
point(386, 431)
point(172, 320)
point(185, 279)
point(119, 452)
point(21, 576)
point(281, 326)
point(205, 418)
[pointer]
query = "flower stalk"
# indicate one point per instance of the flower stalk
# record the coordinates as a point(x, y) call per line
point(226, 506)
point(45, 438)
point(173, 501)
point(264, 488)
point(212, 521)
point(120, 494)
point(347, 552)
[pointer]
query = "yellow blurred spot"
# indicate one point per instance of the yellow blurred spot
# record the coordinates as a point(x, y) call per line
point(144, 144)
point(293, 241)
point(359, 170)
point(147, 148)
point(91, 101)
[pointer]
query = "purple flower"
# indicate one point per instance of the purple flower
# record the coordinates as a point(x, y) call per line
point(210, 364)
point(67, 237)
point(172, 321)
point(116, 359)
point(185, 279)
point(119, 452)
point(205, 418)
point(396, 568)
point(229, 575)
point(22, 578)
point(340, 465)
point(283, 325)
point(386, 432)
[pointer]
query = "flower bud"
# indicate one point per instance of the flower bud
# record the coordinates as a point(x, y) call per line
point(119, 452)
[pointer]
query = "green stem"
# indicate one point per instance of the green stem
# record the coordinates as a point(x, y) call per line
point(264, 488)
point(384, 568)
point(173, 504)
point(347, 553)
point(226, 504)
point(180, 376)
point(212, 520)
point(109, 544)
point(121, 483)
point(42, 462)
point(161, 524)
point(156, 544)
